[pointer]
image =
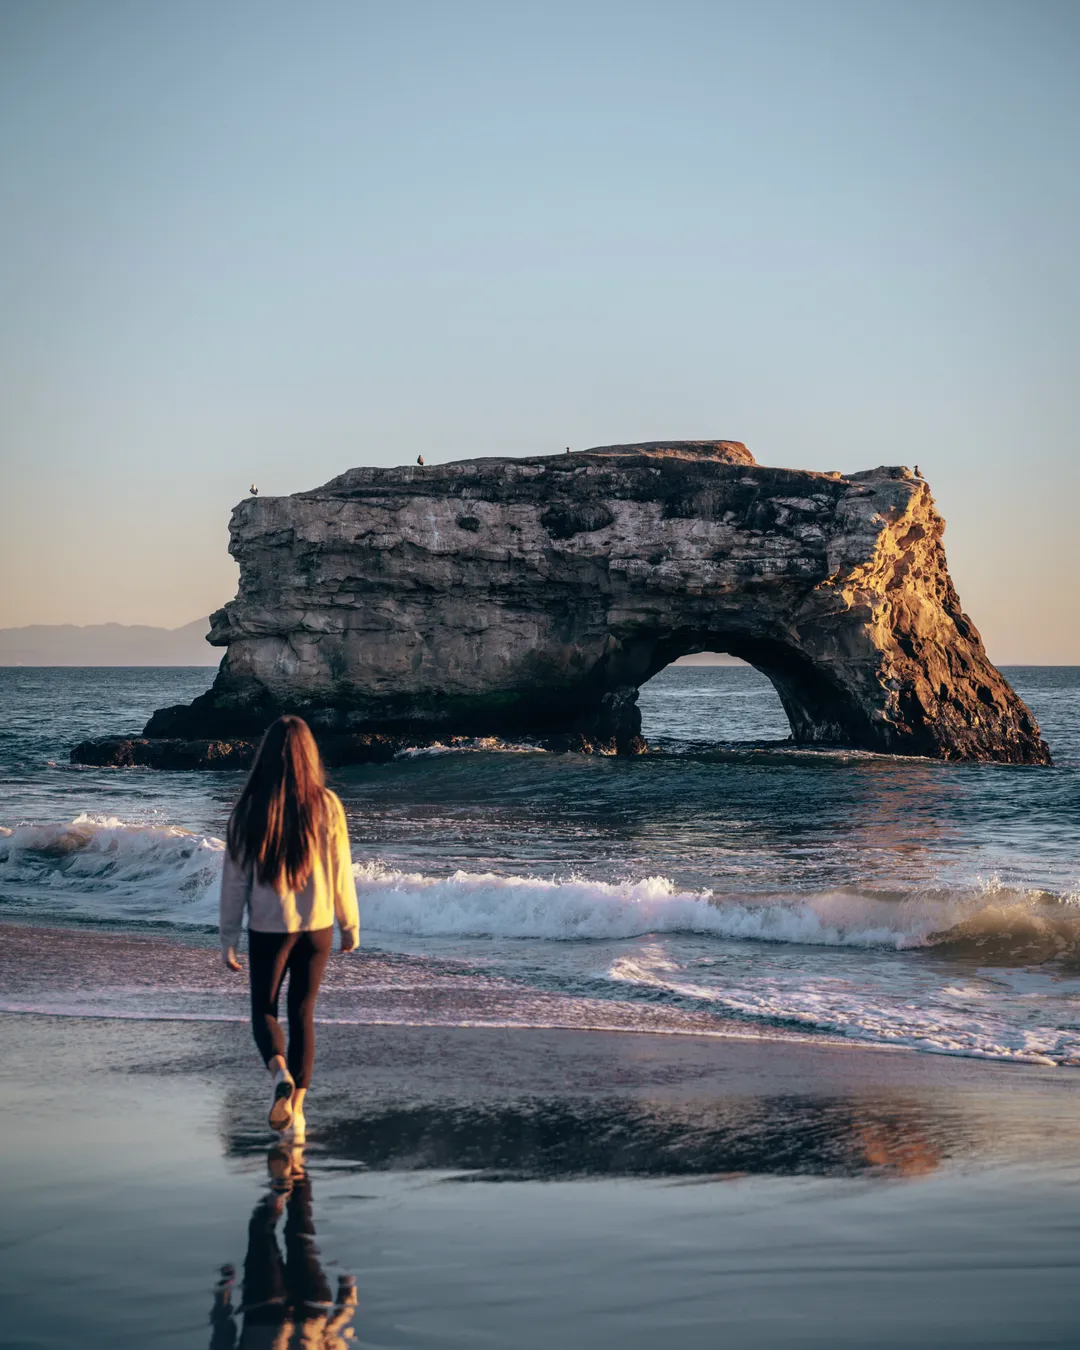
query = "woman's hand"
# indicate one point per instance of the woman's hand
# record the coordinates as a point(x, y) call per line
point(228, 955)
point(350, 940)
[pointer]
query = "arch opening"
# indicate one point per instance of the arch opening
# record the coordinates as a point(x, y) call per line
point(718, 701)
point(815, 708)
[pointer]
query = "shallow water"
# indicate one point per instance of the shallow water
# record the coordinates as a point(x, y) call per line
point(727, 878)
point(531, 1189)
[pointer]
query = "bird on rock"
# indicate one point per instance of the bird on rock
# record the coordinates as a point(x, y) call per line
point(917, 473)
point(420, 460)
point(567, 449)
point(254, 490)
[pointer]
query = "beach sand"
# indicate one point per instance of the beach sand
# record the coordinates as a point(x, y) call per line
point(498, 1187)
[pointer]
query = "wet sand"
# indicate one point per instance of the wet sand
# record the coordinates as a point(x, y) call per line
point(529, 1188)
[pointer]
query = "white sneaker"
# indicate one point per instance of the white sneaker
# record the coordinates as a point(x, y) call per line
point(297, 1131)
point(281, 1112)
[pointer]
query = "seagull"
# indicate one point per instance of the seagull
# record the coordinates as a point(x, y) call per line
point(254, 490)
point(567, 449)
point(420, 460)
point(917, 473)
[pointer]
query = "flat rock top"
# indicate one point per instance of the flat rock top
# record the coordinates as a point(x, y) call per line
point(496, 468)
point(725, 452)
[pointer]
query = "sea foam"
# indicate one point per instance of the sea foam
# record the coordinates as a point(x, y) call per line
point(106, 869)
point(492, 905)
point(99, 867)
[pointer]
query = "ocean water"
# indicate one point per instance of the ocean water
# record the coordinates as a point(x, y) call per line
point(727, 883)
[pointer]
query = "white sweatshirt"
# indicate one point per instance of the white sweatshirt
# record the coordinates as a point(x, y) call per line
point(328, 894)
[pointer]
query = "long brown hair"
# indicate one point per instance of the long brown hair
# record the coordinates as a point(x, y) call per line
point(276, 824)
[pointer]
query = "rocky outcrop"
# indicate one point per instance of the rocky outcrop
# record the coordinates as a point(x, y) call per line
point(169, 752)
point(531, 597)
point(127, 752)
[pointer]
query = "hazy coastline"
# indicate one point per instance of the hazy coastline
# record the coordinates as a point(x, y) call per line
point(107, 644)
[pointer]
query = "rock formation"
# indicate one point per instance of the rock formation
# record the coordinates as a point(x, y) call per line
point(532, 597)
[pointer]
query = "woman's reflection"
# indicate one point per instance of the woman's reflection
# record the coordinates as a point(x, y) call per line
point(286, 1303)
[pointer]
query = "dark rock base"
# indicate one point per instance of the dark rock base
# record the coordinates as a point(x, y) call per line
point(127, 752)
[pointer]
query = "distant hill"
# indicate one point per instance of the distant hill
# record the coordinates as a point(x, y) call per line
point(122, 644)
point(108, 644)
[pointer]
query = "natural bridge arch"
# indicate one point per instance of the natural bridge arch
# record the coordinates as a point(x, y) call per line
point(817, 710)
point(534, 596)
point(709, 698)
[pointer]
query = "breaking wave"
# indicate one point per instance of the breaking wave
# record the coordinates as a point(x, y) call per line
point(868, 982)
point(993, 920)
point(101, 868)
point(98, 867)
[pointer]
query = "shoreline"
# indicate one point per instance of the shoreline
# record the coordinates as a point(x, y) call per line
point(540, 1103)
point(64, 957)
point(75, 971)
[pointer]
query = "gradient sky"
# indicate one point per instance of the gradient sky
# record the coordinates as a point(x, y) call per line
point(256, 240)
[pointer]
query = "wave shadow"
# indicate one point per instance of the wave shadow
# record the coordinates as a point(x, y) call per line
point(548, 1140)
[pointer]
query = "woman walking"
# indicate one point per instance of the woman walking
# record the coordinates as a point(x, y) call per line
point(287, 864)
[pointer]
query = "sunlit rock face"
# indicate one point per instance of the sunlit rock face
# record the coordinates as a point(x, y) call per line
point(531, 598)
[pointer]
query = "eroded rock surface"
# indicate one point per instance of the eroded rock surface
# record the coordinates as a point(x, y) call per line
point(531, 597)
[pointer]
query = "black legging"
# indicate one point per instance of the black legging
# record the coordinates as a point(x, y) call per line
point(304, 956)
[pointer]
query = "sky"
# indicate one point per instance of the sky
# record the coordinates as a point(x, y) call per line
point(264, 241)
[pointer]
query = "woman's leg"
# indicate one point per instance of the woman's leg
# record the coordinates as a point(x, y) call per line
point(307, 961)
point(268, 955)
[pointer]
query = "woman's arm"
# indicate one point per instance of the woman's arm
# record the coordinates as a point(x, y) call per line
point(235, 894)
point(346, 910)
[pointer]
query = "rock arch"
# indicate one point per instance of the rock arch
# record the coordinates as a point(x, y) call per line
point(532, 597)
point(818, 711)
